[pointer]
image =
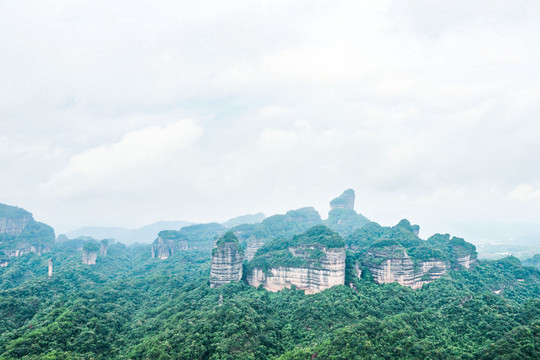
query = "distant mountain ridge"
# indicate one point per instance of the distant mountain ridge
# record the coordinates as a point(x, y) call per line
point(145, 234)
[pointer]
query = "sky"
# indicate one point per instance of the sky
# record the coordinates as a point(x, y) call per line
point(128, 112)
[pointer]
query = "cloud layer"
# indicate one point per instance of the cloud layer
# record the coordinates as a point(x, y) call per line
point(127, 113)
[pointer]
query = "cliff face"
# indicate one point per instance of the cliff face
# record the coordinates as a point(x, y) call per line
point(254, 243)
point(329, 271)
point(466, 261)
point(14, 226)
point(389, 265)
point(89, 257)
point(168, 243)
point(393, 264)
point(227, 257)
point(21, 234)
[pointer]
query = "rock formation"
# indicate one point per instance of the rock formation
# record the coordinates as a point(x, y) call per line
point(90, 253)
point(14, 226)
point(342, 218)
point(50, 268)
point(344, 201)
point(393, 264)
point(168, 243)
point(227, 257)
point(104, 247)
point(313, 261)
point(21, 234)
point(254, 243)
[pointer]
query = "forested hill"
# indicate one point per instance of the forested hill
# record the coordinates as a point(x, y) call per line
point(130, 306)
point(89, 299)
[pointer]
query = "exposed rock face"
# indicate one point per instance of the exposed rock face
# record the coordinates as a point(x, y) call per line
point(227, 257)
point(50, 267)
point(393, 264)
point(27, 249)
point(254, 243)
point(21, 234)
point(168, 243)
point(466, 261)
point(104, 247)
point(429, 271)
point(14, 226)
point(344, 201)
point(312, 279)
point(89, 257)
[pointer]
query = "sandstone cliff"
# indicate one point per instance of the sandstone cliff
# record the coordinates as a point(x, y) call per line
point(227, 257)
point(21, 234)
point(168, 243)
point(393, 264)
point(90, 253)
point(313, 261)
point(254, 243)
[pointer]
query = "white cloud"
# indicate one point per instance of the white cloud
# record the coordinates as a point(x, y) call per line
point(138, 151)
point(423, 107)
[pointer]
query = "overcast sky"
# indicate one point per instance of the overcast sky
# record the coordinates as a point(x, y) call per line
point(128, 112)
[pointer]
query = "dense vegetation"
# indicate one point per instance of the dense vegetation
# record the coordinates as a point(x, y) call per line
point(129, 306)
point(309, 246)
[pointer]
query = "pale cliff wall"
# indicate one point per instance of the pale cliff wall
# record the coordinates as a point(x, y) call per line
point(165, 248)
point(399, 268)
point(13, 226)
point(226, 264)
point(253, 244)
point(89, 257)
point(329, 272)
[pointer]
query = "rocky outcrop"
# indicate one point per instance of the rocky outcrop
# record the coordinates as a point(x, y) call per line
point(330, 271)
point(393, 264)
point(21, 234)
point(466, 261)
point(90, 253)
point(312, 261)
point(429, 271)
point(344, 201)
point(14, 226)
point(89, 257)
point(254, 243)
point(104, 247)
point(342, 217)
point(227, 257)
point(50, 267)
point(168, 243)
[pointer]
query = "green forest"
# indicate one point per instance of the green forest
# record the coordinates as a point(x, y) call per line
point(130, 306)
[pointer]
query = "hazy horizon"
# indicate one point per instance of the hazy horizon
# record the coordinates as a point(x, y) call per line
point(129, 113)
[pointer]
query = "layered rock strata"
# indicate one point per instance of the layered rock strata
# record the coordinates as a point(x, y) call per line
point(254, 243)
point(396, 266)
point(312, 279)
point(227, 257)
point(14, 226)
point(466, 261)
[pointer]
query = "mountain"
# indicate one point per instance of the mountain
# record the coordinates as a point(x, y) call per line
point(244, 219)
point(145, 234)
point(21, 234)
